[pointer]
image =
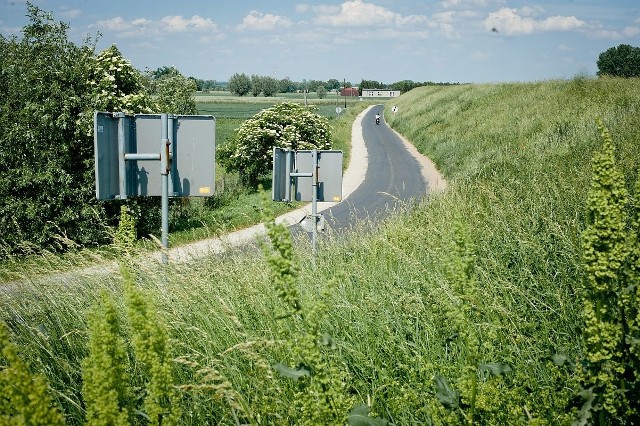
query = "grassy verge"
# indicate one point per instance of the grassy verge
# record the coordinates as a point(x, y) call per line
point(453, 312)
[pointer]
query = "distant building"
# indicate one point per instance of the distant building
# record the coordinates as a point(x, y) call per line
point(380, 93)
point(349, 91)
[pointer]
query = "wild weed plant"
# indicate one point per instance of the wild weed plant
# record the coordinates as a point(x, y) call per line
point(106, 385)
point(321, 397)
point(610, 373)
point(25, 398)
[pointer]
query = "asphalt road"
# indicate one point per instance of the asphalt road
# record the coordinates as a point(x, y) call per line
point(393, 179)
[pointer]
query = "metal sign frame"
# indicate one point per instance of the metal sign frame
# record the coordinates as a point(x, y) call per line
point(316, 175)
point(187, 143)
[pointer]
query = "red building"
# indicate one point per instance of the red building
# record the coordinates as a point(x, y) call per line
point(350, 91)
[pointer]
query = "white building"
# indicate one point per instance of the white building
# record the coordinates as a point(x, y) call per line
point(380, 93)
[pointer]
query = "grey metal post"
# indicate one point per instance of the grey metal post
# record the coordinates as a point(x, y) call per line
point(122, 169)
point(314, 199)
point(172, 164)
point(287, 174)
point(164, 171)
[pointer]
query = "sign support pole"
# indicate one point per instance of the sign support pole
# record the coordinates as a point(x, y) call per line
point(314, 200)
point(164, 172)
point(122, 170)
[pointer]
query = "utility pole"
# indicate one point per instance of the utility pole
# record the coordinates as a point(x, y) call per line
point(344, 92)
point(305, 92)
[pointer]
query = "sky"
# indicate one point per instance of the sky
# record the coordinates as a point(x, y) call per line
point(464, 41)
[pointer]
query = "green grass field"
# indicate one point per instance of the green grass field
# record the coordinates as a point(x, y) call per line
point(230, 111)
point(471, 296)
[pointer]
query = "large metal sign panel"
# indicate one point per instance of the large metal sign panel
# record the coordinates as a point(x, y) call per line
point(193, 149)
point(105, 144)
point(192, 146)
point(280, 182)
point(329, 175)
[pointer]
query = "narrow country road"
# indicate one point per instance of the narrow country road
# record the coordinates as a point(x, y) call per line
point(393, 179)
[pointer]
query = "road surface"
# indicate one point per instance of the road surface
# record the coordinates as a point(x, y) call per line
point(393, 179)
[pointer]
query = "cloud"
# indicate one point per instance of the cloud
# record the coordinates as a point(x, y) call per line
point(357, 13)
point(302, 8)
point(256, 21)
point(480, 55)
point(627, 32)
point(452, 4)
point(511, 22)
point(178, 24)
point(72, 13)
point(143, 27)
point(7, 30)
point(631, 31)
point(452, 23)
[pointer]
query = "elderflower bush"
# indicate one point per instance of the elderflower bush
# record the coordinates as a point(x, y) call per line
point(287, 125)
point(116, 86)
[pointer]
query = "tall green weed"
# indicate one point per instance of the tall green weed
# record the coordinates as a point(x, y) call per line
point(25, 397)
point(106, 385)
point(610, 295)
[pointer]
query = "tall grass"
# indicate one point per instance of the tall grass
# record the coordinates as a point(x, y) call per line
point(517, 160)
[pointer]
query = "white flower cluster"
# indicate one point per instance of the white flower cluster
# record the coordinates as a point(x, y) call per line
point(286, 125)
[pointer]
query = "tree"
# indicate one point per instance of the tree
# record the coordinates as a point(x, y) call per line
point(371, 84)
point(286, 125)
point(333, 84)
point(620, 61)
point(286, 85)
point(164, 72)
point(240, 84)
point(46, 164)
point(173, 92)
point(256, 85)
point(270, 86)
point(321, 91)
point(50, 90)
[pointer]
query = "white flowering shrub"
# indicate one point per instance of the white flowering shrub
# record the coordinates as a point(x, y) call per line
point(114, 86)
point(286, 125)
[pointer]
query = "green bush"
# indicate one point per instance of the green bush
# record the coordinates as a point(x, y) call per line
point(173, 92)
point(46, 164)
point(51, 88)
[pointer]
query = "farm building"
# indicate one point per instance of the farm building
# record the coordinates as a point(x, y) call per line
point(380, 93)
point(349, 91)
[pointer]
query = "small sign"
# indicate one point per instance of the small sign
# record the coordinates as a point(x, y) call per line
point(394, 109)
point(338, 110)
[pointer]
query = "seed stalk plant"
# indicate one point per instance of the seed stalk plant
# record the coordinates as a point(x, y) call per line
point(610, 376)
point(25, 397)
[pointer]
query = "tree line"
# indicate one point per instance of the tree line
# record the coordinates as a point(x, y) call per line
point(619, 61)
point(242, 84)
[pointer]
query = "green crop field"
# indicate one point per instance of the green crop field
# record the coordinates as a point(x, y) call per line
point(467, 309)
point(230, 111)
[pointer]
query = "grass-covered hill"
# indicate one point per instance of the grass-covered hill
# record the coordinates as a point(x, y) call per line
point(467, 309)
